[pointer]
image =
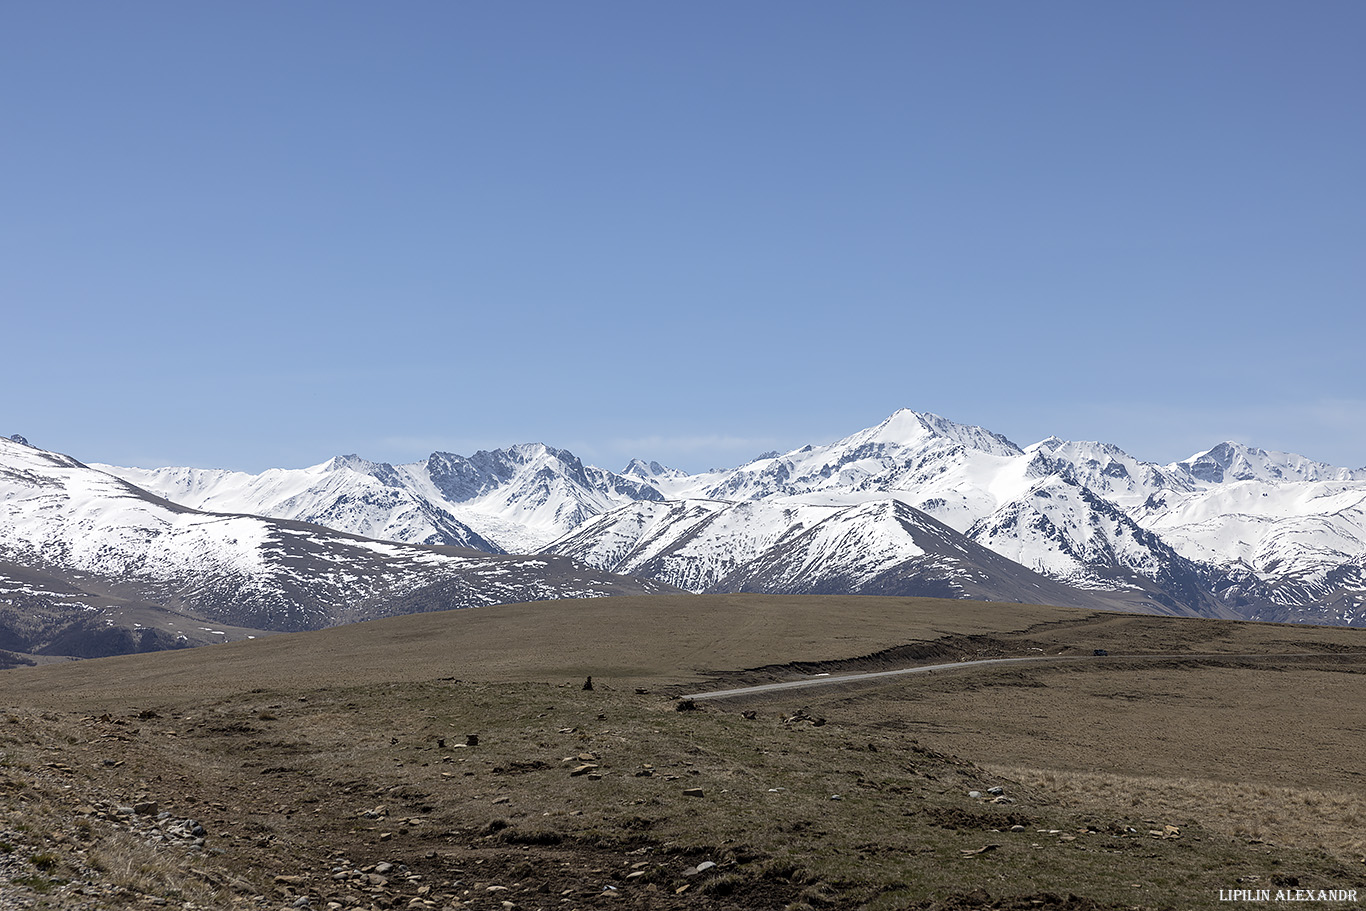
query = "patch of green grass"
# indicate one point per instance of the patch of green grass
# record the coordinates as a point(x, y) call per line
point(38, 884)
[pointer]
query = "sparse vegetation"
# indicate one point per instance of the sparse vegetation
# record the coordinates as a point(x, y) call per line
point(846, 798)
point(134, 865)
point(1331, 822)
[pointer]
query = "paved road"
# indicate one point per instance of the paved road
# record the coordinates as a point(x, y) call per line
point(830, 679)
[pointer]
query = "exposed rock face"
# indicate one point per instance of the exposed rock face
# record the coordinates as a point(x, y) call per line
point(91, 565)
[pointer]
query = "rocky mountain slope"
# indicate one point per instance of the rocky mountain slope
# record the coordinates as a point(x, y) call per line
point(91, 564)
point(1261, 534)
point(512, 500)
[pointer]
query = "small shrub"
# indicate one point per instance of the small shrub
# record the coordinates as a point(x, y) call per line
point(132, 864)
point(725, 884)
point(785, 870)
point(36, 883)
point(514, 836)
point(820, 895)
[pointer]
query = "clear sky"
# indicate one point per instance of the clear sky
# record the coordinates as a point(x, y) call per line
point(259, 234)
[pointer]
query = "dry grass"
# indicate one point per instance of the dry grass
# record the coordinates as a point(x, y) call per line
point(132, 864)
point(283, 747)
point(1334, 822)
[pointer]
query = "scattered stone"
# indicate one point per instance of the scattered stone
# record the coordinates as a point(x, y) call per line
point(802, 716)
point(693, 792)
point(588, 684)
point(975, 795)
point(973, 852)
point(471, 740)
point(996, 791)
point(582, 769)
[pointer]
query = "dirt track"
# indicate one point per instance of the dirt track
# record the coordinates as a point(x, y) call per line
point(282, 748)
point(1133, 662)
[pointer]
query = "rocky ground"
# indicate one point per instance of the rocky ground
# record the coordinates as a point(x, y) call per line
point(446, 793)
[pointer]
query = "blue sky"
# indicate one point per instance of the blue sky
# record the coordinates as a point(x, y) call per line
point(257, 234)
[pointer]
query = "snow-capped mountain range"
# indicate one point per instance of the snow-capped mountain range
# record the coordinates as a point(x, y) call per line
point(513, 500)
point(91, 564)
point(916, 505)
point(1232, 531)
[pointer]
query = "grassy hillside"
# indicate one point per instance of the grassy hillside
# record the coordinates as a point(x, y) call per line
point(455, 760)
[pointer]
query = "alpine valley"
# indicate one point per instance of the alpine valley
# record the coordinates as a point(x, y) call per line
point(98, 559)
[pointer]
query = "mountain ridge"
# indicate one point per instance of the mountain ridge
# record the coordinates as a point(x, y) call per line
point(85, 557)
point(1233, 530)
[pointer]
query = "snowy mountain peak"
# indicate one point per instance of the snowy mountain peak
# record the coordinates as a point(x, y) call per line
point(16, 438)
point(649, 470)
point(1075, 450)
point(352, 461)
point(1231, 461)
point(98, 545)
point(1108, 470)
point(916, 429)
point(380, 471)
point(1231, 529)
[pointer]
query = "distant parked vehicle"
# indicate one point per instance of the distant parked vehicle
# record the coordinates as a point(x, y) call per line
point(1100, 653)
